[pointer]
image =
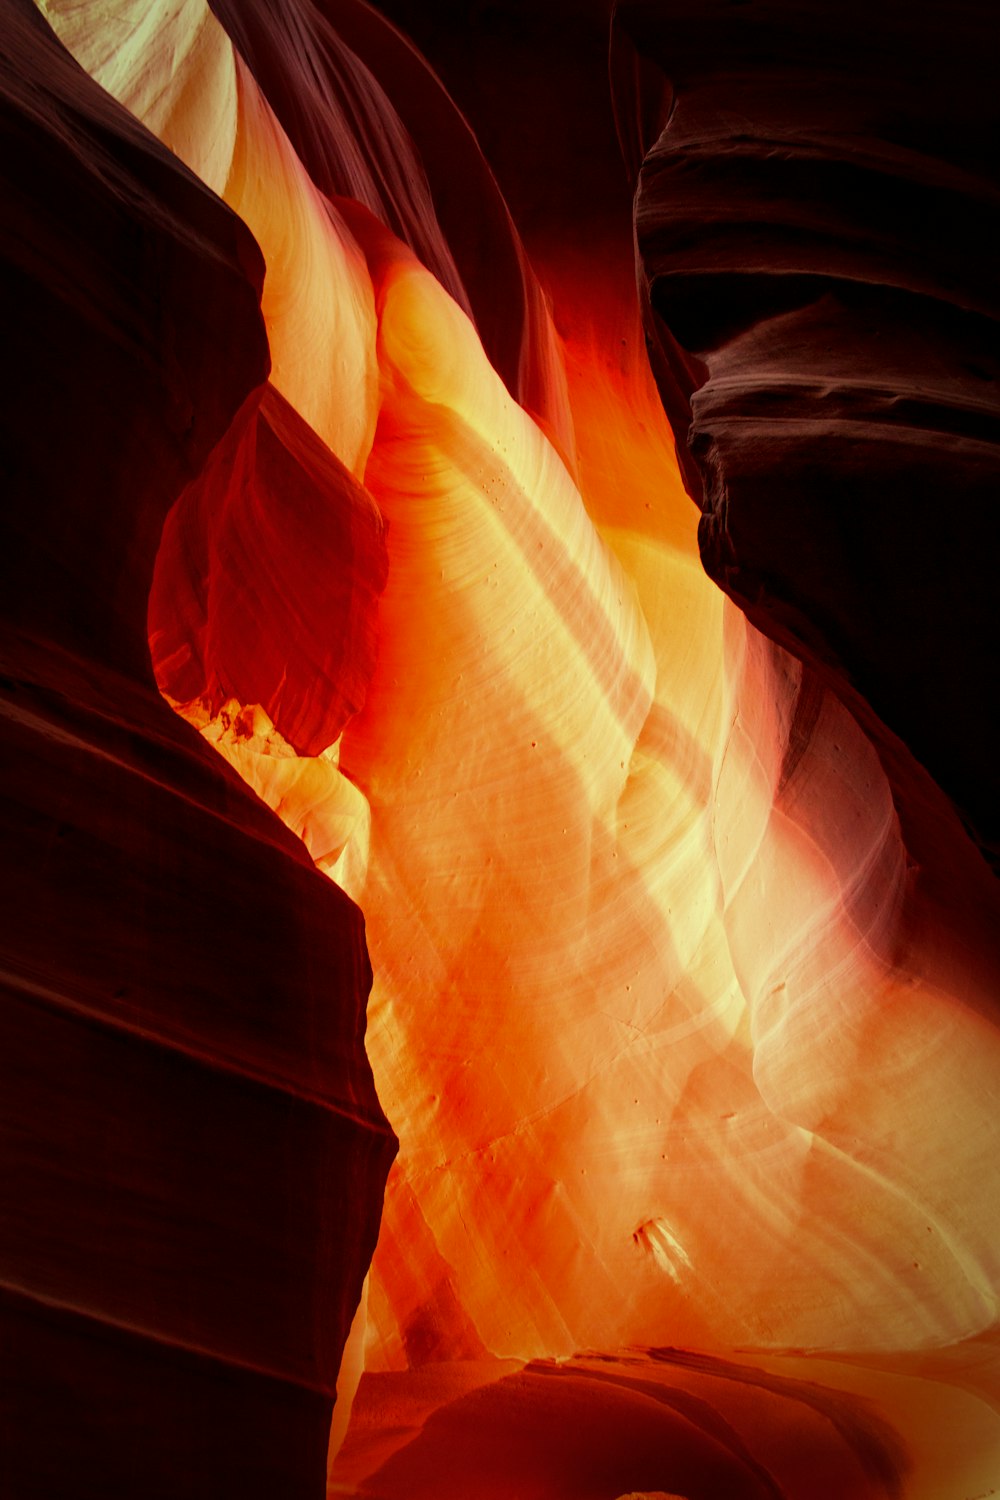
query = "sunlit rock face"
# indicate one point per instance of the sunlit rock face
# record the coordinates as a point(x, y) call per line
point(370, 121)
point(685, 974)
point(193, 1152)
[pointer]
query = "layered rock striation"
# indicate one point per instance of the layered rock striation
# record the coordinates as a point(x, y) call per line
point(817, 223)
point(193, 1153)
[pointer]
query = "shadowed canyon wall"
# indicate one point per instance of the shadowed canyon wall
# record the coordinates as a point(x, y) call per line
point(193, 1151)
point(683, 941)
point(817, 231)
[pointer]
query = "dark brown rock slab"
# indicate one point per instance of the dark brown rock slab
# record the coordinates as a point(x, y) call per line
point(817, 216)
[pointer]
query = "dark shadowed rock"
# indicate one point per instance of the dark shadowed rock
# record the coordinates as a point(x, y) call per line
point(817, 223)
point(192, 1152)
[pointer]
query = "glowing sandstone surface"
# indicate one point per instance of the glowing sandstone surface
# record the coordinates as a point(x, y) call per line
point(678, 1047)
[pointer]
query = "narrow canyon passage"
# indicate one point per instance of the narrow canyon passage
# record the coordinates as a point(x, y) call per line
point(683, 944)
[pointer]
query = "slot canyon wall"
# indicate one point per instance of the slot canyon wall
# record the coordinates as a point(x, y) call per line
point(570, 588)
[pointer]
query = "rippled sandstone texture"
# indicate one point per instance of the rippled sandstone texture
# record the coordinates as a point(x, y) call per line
point(685, 975)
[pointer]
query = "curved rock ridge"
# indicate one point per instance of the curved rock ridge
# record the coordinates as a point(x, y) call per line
point(665, 1424)
point(192, 1150)
point(370, 121)
point(178, 72)
point(817, 225)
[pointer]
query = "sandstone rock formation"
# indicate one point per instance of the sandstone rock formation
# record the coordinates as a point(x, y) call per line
point(193, 1151)
point(817, 227)
point(685, 962)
